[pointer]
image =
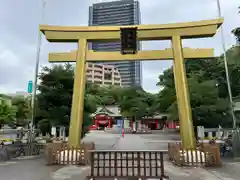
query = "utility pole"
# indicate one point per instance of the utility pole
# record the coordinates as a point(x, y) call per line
point(226, 68)
point(39, 43)
point(33, 103)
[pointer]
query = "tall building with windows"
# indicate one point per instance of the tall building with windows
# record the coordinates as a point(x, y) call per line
point(103, 75)
point(124, 12)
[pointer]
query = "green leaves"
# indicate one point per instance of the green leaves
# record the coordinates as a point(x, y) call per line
point(207, 88)
point(135, 102)
point(23, 109)
point(7, 114)
point(55, 98)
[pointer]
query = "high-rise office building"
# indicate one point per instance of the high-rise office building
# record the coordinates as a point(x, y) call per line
point(124, 12)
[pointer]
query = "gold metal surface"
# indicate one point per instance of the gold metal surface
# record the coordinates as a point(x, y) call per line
point(196, 29)
point(78, 96)
point(174, 32)
point(186, 125)
point(44, 28)
point(165, 54)
point(177, 88)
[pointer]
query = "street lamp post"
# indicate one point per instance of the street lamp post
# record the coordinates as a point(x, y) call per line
point(39, 43)
point(226, 67)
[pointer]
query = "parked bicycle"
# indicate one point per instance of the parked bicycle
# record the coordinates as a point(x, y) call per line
point(226, 148)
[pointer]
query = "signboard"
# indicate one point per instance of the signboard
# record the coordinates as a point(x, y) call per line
point(30, 86)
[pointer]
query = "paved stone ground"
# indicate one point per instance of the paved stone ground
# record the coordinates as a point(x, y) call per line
point(36, 169)
point(28, 169)
point(102, 140)
point(229, 171)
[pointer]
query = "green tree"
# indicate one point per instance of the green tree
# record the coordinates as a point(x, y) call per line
point(208, 93)
point(7, 114)
point(152, 104)
point(55, 98)
point(23, 109)
point(167, 95)
point(136, 103)
point(44, 126)
point(109, 95)
point(133, 101)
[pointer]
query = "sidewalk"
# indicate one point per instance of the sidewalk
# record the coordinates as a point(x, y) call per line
point(102, 140)
point(139, 142)
point(130, 142)
point(185, 173)
point(71, 172)
point(32, 168)
point(229, 171)
point(174, 173)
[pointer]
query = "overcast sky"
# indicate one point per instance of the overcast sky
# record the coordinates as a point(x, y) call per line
point(19, 20)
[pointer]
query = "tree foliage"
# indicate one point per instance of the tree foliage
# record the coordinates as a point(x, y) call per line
point(136, 103)
point(23, 109)
point(7, 114)
point(55, 98)
point(55, 95)
point(207, 87)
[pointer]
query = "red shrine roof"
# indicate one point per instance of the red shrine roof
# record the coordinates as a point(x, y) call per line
point(112, 111)
point(157, 116)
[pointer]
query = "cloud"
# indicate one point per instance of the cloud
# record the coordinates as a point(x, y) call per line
point(19, 31)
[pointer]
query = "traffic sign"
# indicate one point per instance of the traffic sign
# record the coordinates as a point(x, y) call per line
point(30, 86)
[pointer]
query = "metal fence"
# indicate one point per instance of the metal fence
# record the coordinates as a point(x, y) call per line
point(127, 164)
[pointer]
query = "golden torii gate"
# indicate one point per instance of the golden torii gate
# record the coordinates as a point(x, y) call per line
point(174, 32)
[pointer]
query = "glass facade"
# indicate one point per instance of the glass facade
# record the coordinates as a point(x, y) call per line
point(124, 12)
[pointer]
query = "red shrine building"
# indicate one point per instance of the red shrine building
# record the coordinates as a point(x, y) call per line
point(103, 120)
point(154, 122)
point(105, 117)
point(158, 121)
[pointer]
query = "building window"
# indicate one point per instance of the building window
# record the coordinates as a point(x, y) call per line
point(97, 77)
point(98, 82)
point(98, 66)
point(107, 76)
point(108, 83)
point(97, 71)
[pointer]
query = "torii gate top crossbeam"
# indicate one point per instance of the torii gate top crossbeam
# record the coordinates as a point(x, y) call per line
point(198, 29)
point(165, 54)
